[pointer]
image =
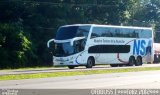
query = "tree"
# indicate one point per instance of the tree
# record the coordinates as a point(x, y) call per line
point(14, 46)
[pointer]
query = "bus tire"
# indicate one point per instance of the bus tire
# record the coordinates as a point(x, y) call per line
point(71, 67)
point(90, 62)
point(120, 65)
point(132, 61)
point(114, 65)
point(138, 61)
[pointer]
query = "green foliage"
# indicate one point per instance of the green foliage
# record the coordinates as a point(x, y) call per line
point(14, 46)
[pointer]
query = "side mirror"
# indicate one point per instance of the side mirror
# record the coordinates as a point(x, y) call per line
point(48, 43)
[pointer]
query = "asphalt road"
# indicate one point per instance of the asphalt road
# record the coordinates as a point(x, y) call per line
point(85, 84)
point(144, 79)
point(64, 69)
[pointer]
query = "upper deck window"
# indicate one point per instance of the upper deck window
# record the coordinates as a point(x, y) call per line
point(120, 32)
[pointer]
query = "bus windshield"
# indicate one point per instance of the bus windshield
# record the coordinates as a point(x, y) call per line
point(66, 49)
point(63, 49)
point(70, 32)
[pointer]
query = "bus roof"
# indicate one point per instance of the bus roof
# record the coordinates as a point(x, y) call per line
point(114, 26)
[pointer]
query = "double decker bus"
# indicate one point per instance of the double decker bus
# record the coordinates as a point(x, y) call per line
point(90, 44)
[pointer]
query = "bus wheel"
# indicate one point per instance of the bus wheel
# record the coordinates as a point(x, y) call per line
point(90, 62)
point(138, 61)
point(71, 67)
point(114, 65)
point(131, 61)
point(121, 65)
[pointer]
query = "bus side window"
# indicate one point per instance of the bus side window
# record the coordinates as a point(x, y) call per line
point(107, 32)
point(145, 33)
point(95, 32)
point(148, 33)
point(94, 35)
point(137, 31)
point(117, 32)
point(112, 32)
point(79, 45)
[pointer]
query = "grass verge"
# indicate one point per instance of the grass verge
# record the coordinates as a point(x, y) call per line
point(74, 73)
point(34, 68)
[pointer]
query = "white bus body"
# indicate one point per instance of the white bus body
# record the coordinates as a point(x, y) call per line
point(90, 44)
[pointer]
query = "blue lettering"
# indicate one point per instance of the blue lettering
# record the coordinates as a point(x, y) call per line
point(149, 48)
point(139, 47)
point(143, 49)
point(136, 47)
